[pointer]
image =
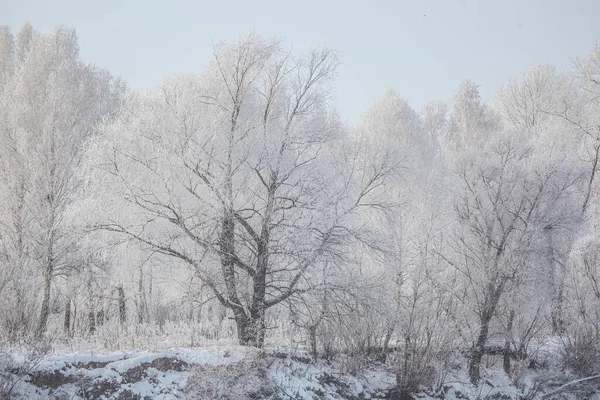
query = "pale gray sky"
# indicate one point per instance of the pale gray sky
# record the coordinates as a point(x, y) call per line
point(422, 49)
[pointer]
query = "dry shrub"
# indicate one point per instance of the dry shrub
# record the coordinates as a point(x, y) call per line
point(245, 380)
point(582, 354)
point(17, 360)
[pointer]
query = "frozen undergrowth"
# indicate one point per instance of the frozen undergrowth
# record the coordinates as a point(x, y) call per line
point(231, 372)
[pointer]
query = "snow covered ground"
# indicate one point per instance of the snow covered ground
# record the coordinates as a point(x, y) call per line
point(231, 372)
point(176, 373)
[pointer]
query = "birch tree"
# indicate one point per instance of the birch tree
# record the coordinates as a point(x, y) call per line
point(470, 121)
point(52, 104)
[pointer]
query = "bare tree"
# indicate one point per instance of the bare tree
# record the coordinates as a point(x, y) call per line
point(500, 210)
point(241, 178)
point(524, 103)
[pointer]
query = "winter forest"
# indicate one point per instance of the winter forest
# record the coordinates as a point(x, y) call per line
point(230, 214)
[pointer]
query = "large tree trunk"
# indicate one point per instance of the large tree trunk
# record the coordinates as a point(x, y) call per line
point(122, 310)
point(312, 332)
point(404, 374)
point(91, 322)
point(258, 308)
point(478, 350)
point(556, 281)
point(48, 268)
point(489, 310)
point(141, 306)
point(45, 311)
point(507, 343)
point(258, 327)
point(250, 328)
point(242, 325)
point(250, 331)
point(91, 309)
point(67, 320)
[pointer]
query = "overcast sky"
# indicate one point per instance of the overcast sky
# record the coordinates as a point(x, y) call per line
point(422, 49)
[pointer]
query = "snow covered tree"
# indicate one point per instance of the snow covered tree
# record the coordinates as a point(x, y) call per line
point(471, 121)
point(502, 206)
point(52, 103)
point(584, 114)
point(526, 104)
point(238, 174)
point(435, 121)
point(408, 305)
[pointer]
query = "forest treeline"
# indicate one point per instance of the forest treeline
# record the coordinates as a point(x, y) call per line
point(236, 202)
